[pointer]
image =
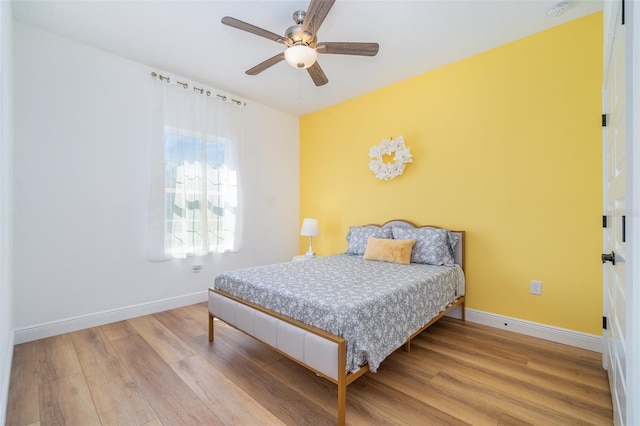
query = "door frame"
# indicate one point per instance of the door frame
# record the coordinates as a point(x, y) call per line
point(632, 19)
point(632, 264)
point(614, 339)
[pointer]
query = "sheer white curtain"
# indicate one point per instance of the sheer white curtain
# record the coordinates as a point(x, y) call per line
point(196, 198)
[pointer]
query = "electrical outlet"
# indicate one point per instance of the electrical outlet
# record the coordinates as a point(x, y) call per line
point(536, 287)
point(196, 268)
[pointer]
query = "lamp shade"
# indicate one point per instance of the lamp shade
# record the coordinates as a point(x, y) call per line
point(300, 56)
point(309, 227)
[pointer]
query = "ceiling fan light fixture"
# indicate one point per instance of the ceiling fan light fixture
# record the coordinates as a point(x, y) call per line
point(300, 56)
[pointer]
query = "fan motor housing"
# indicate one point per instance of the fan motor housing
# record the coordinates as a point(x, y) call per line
point(295, 34)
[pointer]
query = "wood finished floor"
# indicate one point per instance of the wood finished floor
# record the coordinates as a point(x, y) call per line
point(161, 370)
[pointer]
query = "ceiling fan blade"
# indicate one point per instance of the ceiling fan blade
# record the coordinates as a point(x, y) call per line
point(241, 25)
point(317, 11)
point(266, 64)
point(317, 75)
point(345, 48)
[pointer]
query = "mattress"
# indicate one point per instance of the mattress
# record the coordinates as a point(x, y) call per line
point(376, 306)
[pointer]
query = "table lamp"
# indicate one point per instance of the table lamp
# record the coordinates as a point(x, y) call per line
point(309, 229)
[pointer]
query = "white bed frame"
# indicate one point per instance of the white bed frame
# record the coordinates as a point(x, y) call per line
point(319, 351)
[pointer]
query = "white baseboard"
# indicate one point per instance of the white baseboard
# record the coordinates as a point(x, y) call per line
point(6, 379)
point(54, 328)
point(555, 334)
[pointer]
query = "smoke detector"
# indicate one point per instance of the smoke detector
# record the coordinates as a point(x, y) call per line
point(558, 9)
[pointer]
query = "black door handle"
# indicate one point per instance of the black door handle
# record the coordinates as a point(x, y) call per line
point(609, 258)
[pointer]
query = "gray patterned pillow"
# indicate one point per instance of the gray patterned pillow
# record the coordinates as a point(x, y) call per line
point(434, 246)
point(358, 235)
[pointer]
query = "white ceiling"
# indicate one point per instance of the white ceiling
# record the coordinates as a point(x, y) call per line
point(186, 38)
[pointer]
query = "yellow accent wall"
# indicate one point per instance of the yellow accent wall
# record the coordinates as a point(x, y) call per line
point(506, 146)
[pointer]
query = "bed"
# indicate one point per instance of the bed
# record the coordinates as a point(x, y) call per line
point(393, 282)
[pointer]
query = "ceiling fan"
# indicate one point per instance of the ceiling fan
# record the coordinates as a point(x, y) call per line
point(301, 41)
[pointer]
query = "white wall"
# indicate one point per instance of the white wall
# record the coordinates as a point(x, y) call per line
point(82, 147)
point(6, 221)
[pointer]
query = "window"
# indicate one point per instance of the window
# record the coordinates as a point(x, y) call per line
point(195, 203)
point(200, 196)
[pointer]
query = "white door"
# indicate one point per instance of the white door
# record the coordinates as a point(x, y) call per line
point(615, 250)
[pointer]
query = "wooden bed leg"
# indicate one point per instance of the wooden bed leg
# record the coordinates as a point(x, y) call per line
point(407, 346)
point(464, 316)
point(342, 402)
point(342, 383)
point(210, 327)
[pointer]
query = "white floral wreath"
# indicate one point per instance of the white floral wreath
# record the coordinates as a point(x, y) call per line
point(401, 157)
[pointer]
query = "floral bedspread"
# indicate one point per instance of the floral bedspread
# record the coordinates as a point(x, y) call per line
point(376, 306)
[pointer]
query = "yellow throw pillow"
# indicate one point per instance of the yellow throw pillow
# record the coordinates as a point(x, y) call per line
point(387, 250)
